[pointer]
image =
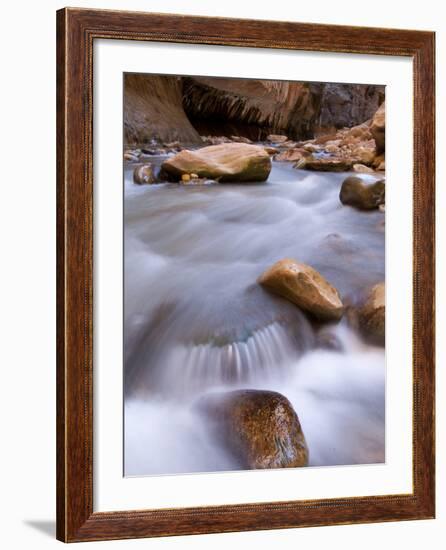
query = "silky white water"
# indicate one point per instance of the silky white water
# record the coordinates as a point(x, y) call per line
point(196, 320)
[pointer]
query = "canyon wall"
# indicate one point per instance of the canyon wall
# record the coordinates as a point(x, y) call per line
point(153, 110)
point(168, 108)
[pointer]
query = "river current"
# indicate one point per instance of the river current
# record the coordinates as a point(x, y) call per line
point(196, 320)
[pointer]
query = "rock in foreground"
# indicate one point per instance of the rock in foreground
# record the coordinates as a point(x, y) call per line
point(372, 315)
point(305, 287)
point(357, 192)
point(260, 427)
point(227, 162)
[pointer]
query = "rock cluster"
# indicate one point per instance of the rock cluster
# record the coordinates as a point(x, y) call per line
point(360, 148)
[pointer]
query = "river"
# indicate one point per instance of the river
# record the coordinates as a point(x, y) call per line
point(196, 320)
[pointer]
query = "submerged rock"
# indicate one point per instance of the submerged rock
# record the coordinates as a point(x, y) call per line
point(329, 341)
point(305, 287)
point(261, 428)
point(144, 174)
point(238, 162)
point(357, 192)
point(372, 315)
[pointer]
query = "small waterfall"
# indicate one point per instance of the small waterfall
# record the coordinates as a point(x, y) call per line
point(265, 354)
point(197, 321)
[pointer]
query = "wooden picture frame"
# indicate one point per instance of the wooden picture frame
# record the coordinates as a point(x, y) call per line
point(76, 31)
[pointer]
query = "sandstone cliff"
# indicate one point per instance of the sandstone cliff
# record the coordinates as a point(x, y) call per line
point(168, 108)
point(153, 110)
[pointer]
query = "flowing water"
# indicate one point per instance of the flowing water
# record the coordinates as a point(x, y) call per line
point(196, 320)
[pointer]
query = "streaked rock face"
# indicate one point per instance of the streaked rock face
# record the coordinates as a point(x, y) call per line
point(166, 108)
point(153, 110)
point(347, 104)
point(258, 107)
point(305, 287)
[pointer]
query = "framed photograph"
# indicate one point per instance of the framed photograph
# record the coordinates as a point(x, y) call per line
point(245, 275)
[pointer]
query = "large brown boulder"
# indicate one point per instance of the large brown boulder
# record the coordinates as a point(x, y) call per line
point(378, 128)
point(228, 162)
point(261, 428)
point(305, 287)
point(362, 194)
point(372, 315)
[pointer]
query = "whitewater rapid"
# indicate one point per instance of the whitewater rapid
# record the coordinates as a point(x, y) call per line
point(196, 320)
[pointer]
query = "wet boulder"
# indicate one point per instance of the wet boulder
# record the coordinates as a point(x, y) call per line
point(305, 287)
point(227, 162)
point(144, 174)
point(260, 428)
point(372, 315)
point(362, 194)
